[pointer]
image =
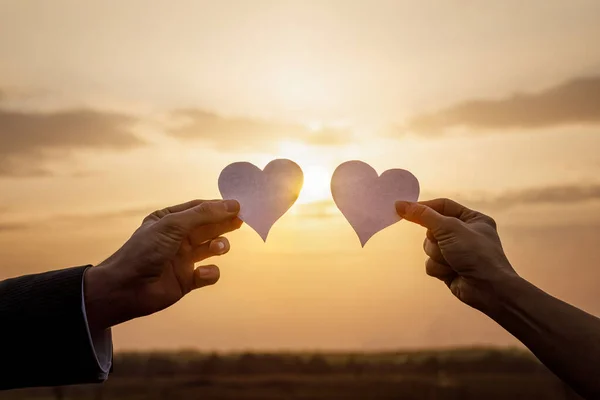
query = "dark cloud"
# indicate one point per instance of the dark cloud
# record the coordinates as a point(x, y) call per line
point(137, 212)
point(27, 139)
point(241, 133)
point(573, 102)
point(10, 227)
point(71, 220)
point(16, 166)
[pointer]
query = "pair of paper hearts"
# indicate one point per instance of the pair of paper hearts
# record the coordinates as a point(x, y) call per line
point(366, 199)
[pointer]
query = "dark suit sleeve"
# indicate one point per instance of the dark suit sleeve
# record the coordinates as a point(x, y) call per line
point(44, 338)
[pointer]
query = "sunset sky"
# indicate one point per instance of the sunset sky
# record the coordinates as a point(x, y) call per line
point(112, 109)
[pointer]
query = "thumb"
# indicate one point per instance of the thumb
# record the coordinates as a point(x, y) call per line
point(421, 214)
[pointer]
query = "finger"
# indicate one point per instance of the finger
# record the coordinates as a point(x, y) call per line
point(209, 232)
point(205, 213)
point(433, 250)
point(158, 214)
point(430, 236)
point(440, 271)
point(212, 212)
point(216, 247)
point(450, 208)
point(421, 214)
point(184, 206)
point(206, 275)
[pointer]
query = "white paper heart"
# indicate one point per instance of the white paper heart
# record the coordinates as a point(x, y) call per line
point(368, 200)
point(264, 196)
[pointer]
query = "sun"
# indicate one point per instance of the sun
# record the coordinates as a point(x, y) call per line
point(317, 174)
point(316, 184)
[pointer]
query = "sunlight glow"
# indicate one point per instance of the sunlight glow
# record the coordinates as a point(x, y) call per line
point(317, 174)
point(316, 184)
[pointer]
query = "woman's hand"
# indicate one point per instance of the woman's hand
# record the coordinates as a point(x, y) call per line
point(464, 251)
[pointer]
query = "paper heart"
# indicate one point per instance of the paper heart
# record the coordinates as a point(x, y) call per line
point(368, 200)
point(264, 196)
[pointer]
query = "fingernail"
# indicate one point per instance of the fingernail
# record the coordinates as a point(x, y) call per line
point(402, 206)
point(205, 272)
point(220, 246)
point(232, 205)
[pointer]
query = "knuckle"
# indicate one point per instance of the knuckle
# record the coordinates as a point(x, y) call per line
point(430, 235)
point(445, 203)
point(205, 208)
point(196, 202)
point(416, 210)
point(154, 215)
point(430, 267)
point(452, 224)
point(490, 221)
point(430, 249)
point(439, 200)
point(170, 221)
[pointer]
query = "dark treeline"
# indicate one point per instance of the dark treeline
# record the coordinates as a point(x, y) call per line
point(462, 374)
point(164, 364)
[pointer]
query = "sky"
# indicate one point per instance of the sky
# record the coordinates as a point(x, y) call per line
point(112, 109)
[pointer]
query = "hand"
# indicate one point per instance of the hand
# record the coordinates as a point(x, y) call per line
point(155, 267)
point(464, 250)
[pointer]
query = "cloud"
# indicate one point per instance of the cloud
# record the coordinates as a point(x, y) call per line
point(329, 136)
point(125, 213)
point(80, 219)
point(242, 133)
point(317, 209)
point(10, 227)
point(28, 139)
point(573, 102)
point(325, 209)
point(552, 195)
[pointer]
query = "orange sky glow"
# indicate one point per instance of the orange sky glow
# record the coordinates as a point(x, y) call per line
point(111, 109)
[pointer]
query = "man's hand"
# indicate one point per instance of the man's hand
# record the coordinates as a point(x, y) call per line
point(464, 250)
point(155, 267)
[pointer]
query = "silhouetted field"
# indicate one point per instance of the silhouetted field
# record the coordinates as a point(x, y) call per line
point(449, 374)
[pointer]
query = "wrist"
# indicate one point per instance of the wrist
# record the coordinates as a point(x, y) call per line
point(105, 298)
point(507, 289)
